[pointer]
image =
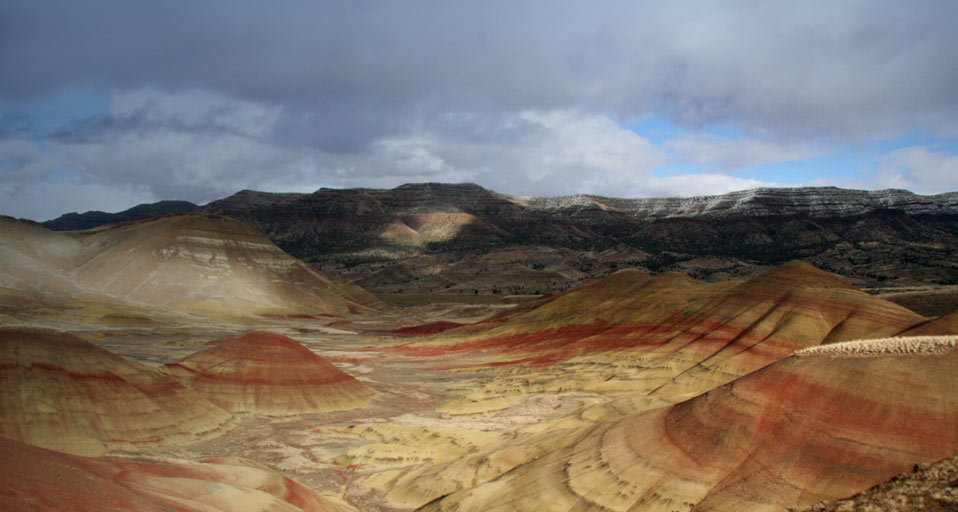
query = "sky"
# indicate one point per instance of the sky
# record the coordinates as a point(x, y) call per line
point(108, 104)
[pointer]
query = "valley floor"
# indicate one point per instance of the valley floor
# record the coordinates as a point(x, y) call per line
point(353, 457)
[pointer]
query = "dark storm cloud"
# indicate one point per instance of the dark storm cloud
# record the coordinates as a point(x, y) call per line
point(785, 68)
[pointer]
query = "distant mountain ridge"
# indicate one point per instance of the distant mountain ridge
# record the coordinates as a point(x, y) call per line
point(80, 221)
point(812, 201)
point(453, 238)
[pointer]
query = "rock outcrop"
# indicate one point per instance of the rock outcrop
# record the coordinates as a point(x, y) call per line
point(817, 202)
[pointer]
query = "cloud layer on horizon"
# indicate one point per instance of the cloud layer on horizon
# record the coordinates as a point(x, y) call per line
point(522, 97)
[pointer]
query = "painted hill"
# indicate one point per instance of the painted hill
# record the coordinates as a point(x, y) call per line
point(677, 336)
point(62, 392)
point(267, 373)
point(34, 479)
point(199, 264)
point(433, 237)
point(819, 425)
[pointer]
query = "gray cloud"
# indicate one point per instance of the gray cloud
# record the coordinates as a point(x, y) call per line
point(919, 170)
point(847, 69)
point(523, 97)
point(734, 154)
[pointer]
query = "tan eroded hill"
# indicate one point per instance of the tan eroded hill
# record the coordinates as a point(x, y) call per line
point(201, 264)
point(820, 425)
point(33, 479)
point(267, 373)
point(61, 392)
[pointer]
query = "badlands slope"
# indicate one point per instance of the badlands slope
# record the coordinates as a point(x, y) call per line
point(267, 373)
point(37, 479)
point(200, 264)
point(819, 425)
point(61, 392)
point(636, 391)
point(669, 335)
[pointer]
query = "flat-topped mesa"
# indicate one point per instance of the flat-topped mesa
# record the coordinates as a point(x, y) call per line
point(64, 393)
point(267, 373)
point(799, 431)
point(811, 201)
point(33, 479)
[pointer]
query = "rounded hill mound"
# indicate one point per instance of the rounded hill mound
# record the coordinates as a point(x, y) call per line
point(267, 373)
point(64, 393)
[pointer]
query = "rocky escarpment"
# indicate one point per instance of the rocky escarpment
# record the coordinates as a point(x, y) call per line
point(462, 238)
point(819, 202)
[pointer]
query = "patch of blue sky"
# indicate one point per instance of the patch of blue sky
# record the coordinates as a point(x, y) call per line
point(11, 164)
point(834, 168)
point(914, 139)
point(659, 130)
point(674, 169)
point(62, 175)
point(655, 129)
point(40, 117)
point(844, 166)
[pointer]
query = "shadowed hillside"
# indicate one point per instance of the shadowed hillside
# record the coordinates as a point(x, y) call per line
point(448, 238)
